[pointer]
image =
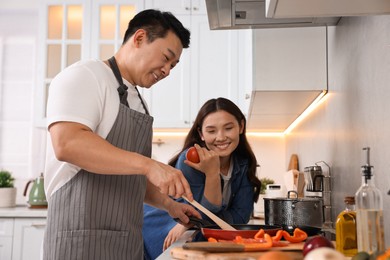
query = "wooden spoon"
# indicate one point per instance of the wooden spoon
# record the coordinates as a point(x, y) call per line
point(223, 225)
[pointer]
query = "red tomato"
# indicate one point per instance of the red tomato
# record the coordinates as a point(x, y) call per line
point(192, 155)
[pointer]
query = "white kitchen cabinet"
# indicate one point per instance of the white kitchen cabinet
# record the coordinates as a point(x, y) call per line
point(28, 238)
point(21, 238)
point(6, 232)
point(209, 68)
point(74, 30)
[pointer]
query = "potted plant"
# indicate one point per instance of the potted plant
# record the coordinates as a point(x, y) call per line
point(264, 183)
point(258, 211)
point(7, 190)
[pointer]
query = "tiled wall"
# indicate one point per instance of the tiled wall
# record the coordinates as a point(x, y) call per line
point(356, 112)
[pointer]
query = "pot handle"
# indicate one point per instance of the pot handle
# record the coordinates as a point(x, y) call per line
point(289, 194)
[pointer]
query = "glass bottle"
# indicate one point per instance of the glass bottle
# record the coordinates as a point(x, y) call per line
point(346, 241)
point(369, 212)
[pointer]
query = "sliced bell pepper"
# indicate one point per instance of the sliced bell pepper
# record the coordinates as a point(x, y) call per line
point(260, 234)
point(259, 246)
point(211, 239)
point(278, 236)
point(299, 236)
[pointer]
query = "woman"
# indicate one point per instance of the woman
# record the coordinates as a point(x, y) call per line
point(224, 181)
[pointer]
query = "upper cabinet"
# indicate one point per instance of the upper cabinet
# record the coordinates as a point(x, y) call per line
point(289, 73)
point(76, 30)
point(209, 68)
point(325, 8)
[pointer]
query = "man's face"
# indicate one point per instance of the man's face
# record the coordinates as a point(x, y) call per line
point(156, 59)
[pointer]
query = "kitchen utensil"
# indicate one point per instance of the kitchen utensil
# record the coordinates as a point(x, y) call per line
point(211, 215)
point(301, 185)
point(36, 197)
point(232, 247)
point(244, 230)
point(294, 212)
point(293, 165)
point(314, 178)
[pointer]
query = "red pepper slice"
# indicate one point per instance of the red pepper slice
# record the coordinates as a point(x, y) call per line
point(260, 234)
point(299, 236)
point(257, 246)
point(278, 236)
point(211, 239)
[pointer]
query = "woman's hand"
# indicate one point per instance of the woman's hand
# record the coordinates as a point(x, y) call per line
point(210, 165)
point(174, 235)
point(209, 162)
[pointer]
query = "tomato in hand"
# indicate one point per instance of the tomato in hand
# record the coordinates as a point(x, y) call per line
point(192, 155)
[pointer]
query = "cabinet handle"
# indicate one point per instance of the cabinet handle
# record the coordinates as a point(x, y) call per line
point(187, 8)
point(247, 96)
point(196, 8)
point(38, 225)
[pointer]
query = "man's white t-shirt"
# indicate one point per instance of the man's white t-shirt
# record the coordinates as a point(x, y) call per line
point(86, 93)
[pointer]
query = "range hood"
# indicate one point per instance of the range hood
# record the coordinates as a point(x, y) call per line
point(324, 8)
point(251, 14)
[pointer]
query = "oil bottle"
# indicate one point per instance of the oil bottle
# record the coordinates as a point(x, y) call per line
point(369, 211)
point(346, 241)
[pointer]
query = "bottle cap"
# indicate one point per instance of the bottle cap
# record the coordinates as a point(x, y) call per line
point(349, 200)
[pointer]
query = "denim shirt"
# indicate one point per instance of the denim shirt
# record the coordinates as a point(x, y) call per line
point(157, 223)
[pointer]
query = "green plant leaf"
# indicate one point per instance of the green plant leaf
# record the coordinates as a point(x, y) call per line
point(6, 179)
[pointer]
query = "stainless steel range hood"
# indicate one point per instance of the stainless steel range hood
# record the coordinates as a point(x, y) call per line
point(250, 14)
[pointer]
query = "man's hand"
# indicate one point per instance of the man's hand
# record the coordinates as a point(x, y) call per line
point(168, 180)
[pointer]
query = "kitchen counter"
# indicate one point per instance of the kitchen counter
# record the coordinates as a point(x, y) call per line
point(22, 211)
point(188, 235)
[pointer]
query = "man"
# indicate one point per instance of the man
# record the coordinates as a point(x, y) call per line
point(98, 170)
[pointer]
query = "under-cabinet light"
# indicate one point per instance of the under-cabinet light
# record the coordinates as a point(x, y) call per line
point(319, 99)
point(307, 111)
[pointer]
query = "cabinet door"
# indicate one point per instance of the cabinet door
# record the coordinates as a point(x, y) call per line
point(62, 42)
point(78, 30)
point(214, 63)
point(169, 100)
point(110, 20)
point(28, 238)
point(176, 7)
point(6, 232)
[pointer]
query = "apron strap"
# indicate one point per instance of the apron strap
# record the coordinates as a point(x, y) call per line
point(122, 89)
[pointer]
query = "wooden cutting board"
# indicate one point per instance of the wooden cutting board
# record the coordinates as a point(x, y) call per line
point(206, 250)
point(185, 254)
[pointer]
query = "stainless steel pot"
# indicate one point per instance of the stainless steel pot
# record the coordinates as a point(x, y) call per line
point(293, 212)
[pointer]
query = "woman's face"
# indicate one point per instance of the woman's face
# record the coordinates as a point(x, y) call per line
point(220, 132)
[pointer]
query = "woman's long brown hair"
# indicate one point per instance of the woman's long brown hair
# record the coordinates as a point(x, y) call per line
point(243, 148)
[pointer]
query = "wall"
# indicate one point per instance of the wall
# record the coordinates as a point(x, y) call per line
point(19, 140)
point(355, 114)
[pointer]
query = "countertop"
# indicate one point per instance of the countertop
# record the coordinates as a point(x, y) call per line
point(22, 211)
